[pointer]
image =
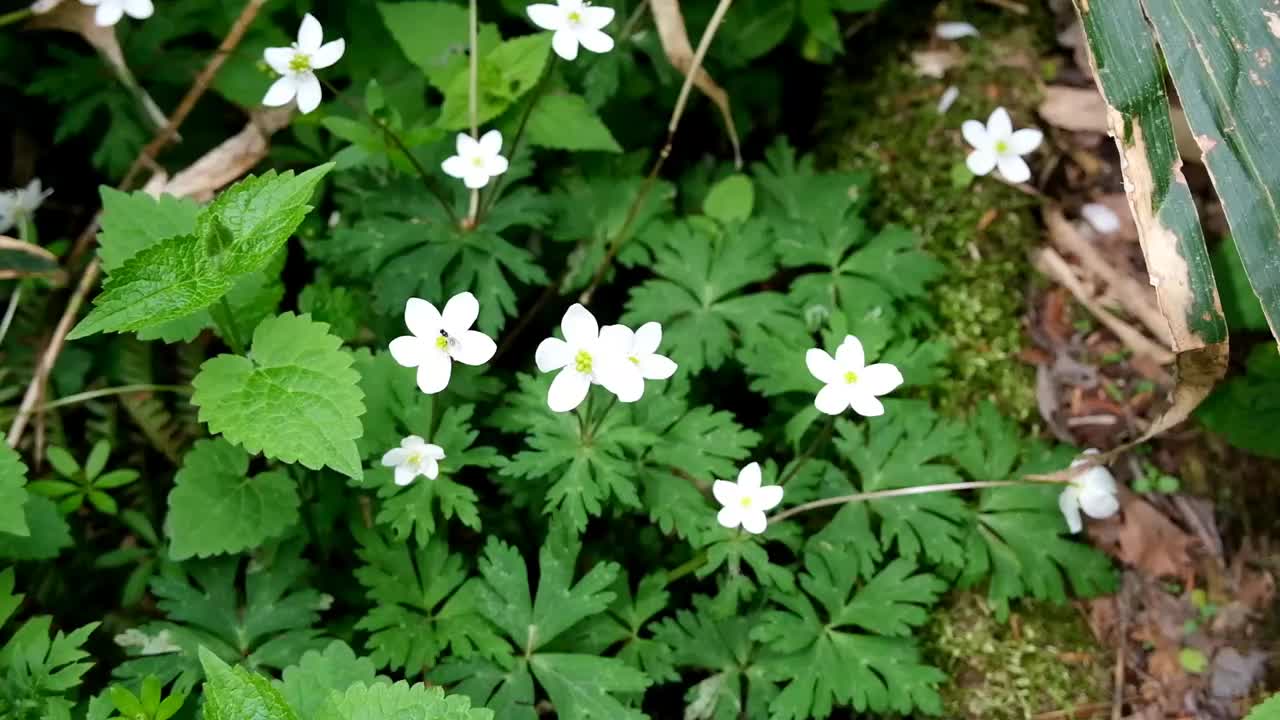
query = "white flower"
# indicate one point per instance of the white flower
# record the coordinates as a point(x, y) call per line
point(414, 457)
point(477, 161)
point(850, 382)
point(574, 22)
point(1101, 218)
point(440, 338)
point(638, 348)
point(745, 502)
point(582, 359)
point(20, 204)
point(109, 12)
point(955, 30)
point(297, 65)
point(1093, 491)
point(996, 145)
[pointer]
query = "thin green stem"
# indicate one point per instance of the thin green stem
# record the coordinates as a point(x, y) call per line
point(613, 400)
point(898, 492)
point(822, 437)
point(230, 329)
point(539, 90)
point(106, 392)
point(689, 566)
point(15, 16)
point(473, 103)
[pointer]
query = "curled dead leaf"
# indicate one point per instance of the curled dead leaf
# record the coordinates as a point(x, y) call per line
point(1073, 108)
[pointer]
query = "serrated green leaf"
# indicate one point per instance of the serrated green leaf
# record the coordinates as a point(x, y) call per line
point(308, 685)
point(565, 122)
point(237, 694)
point(294, 398)
point(433, 35)
point(401, 700)
point(13, 493)
point(215, 508)
point(506, 73)
point(132, 222)
point(581, 686)
point(48, 532)
point(1269, 709)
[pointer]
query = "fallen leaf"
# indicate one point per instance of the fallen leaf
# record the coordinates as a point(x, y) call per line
point(1234, 673)
point(936, 63)
point(1150, 542)
point(1074, 108)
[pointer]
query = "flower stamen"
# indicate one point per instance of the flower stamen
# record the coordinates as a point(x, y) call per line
point(850, 377)
point(582, 362)
point(300, 63)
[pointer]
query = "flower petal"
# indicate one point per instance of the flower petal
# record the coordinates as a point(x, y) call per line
point(768, 497)
point(466, 146)
point(310, 34)
point(278, 59)
point(281, 92)
point(657, 367)
point(139, 9)
point(620, 377)
point(565, 43)
point(822, 366)
point(422, 319)
point(864, 403)
point(460, 313)
point(999, 125)
point(1025, 140)
point(454, 166)
point(394, 457)
point(547, 17)
point(1096, 479)
point(1069, 504)
point(405, 475)
point(435, 452)
point(981, 162)
point(725, 492)
point(475, 178)
point(1098, 504)
point(597, 41)
point(413, 442)
point(472, 347)
point(552, 354)
point(108, 14)
point(408, 350)
point(434, 371)
point(328, 54)
point(850, 356)
point(749, 477)
point(648, 338)
point(754, 521)
point(430, 468)
point(730, 516)
point(491, 142)
point(495, 165)
point(568, 390)
point(596, 17)
point(831, 399)
point(1014, 169)
point(308, 93)
point(975, 133)
point(617, 340)
point(955, 30)
point(579, 326)
point(879, 379)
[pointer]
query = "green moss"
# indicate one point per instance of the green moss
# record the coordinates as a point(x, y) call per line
point(1042, 659)
point(882, 116)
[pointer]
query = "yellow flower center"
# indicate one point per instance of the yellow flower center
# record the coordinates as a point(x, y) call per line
point(1002, 146)
point(851, 377)
point(745, 501)
point(634, 360)
point(415, 459)
point(300, 63)
point(582, 362)
point(477, 161)
point(575, 17)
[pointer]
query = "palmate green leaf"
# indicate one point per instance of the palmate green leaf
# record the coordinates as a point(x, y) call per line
point(565, 122)
point(306, 687)
point(506, 73)
point(826, 664)
point(47, 532)
point(401, 700)
point(237, 694)
point(215, 508)
point(609, 191)
point(239, 233)
point(13, 493)
point(423, 605)
point(899, 450)
point(294, 398)
point(583, 686)
point(433, 35)
point(1016, 535)
point(628, 623)
point(9, 600)
point(40, 671)
point(699, 296)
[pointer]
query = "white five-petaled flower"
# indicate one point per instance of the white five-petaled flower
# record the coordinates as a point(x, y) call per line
point(109, 12)
point(20, 204)
point(414, 457)
point(574, 22)
point(477, 161)
point(581, 358)
point(642, 362)
point(440, 338)
point(1093, 491)
point(850, 382)
point(996, 145)
point(297, 65)
point(745, 502)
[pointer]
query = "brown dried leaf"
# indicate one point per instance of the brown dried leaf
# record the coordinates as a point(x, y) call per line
point(1075, 109)
point(1151, 542)
point(936, 63)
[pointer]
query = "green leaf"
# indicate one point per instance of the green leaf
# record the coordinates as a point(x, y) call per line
point(48, 532)
point(433, 35)
point(294, 398)
point(1268, 709)
point(1245, 408)
point(216, 508)
point(308, 685)
point(731, 200)
point(1239, 303)
point(9, 600)
point(239, 233)
point(757, 27)
point(41, 671)
point(13, 493)
point(237, 694)
point(1220, 56)
point(582, 686)
point(506, 73)
point(62, 461)
point(401, 700)
point(132, 222)
point(565, 122)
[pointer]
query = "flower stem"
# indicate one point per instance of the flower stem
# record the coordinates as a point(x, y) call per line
point(105, 392)
point(822, 437)
point(538, 91)
point(689, 566)
point(15, 16)
point(898, 492)
point(613, 400)
point(473, 103)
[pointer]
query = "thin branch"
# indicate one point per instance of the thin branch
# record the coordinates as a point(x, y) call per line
point(107, 392)
point(823, 436)
point(896, 492)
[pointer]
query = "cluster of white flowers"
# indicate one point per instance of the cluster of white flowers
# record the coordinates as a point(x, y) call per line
point(614, 356)
point(19, 204)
